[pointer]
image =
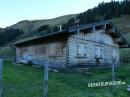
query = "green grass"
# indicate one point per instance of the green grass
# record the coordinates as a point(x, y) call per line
point(125, 55)
point(122, 23)
point(7, 51)
point(24, 81)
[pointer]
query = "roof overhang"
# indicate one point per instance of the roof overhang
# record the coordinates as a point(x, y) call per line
point(105, 24)
point(38, 37)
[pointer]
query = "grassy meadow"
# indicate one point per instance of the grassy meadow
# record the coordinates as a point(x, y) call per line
point(24, 81)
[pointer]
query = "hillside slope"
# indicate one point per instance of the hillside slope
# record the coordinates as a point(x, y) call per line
point(123, 24)
point(29, 26)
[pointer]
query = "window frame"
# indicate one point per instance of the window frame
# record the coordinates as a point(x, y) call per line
point(81, 50)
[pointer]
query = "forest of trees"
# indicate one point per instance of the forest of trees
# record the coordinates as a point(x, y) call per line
point(103, 11)
point(9, 35)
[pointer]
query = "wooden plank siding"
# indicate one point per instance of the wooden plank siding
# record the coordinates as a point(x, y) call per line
point(55, 51)
point(91, 41)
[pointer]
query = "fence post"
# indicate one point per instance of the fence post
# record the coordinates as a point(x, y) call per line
point(46, 78)
point(1, 63)
point(113, 70)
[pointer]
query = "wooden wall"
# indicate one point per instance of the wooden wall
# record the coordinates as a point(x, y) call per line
point(86, 48)
point(55, 51)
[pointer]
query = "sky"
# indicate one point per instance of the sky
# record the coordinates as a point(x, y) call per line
point(13, 11)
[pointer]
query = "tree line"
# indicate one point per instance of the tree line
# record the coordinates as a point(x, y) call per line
point(8, 35)
point(104, 11)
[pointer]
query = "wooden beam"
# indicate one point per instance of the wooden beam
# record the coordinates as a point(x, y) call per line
point(117, 40)
point(113, 29)
point(67, 54)
point(105, 26)
point(109, 31)
point(93, 28)
point(125, 46)
point(113, 70)
point(46, 78)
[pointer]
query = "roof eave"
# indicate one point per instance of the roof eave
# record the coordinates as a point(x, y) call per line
point(38, 37)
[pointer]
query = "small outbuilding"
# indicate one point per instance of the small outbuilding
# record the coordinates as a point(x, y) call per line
point(95, 44)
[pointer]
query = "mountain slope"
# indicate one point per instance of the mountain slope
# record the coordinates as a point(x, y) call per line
point(29, 26)
point(123, 25)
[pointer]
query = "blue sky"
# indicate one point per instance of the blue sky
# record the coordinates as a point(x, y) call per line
point(13, 11)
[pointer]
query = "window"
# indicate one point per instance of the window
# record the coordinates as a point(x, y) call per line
point(57, 50)
point(60, 51)
point(98, 52)
point(23, 50)
point(81, 50)
point(41, 50)
point(52, 50)
point(114, 54)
